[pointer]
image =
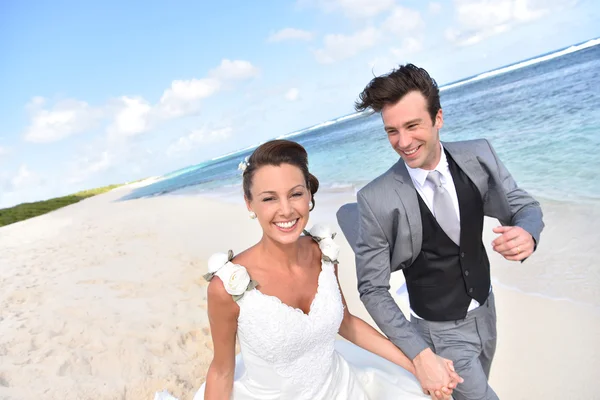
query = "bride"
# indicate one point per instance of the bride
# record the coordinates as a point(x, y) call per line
point(282, 300)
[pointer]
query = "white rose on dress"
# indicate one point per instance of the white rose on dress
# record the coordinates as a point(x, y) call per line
point(329, 248)
point(216, 262)
point(320, 231)
point(235, 278)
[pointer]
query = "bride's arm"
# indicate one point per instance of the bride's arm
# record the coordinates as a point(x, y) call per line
point(222, 315)
point(364, 335)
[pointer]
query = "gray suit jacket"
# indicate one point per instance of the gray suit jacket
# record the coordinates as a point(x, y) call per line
point(385, 232)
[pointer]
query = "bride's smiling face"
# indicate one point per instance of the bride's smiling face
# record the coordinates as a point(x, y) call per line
point(280, 200)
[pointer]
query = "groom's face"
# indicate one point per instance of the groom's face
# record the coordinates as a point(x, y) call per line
point(412, 133)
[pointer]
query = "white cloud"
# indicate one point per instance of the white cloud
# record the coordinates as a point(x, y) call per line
point(364, 8)
point(93, 162)
point(481, 35)
point(396, 56)
point(124, 117)
point(400, 22)
point(131, 116)
point(339, 47)
point(434, 7)
point(19, 186)
point(351, 8)
point(196, 138)
point(102, 163)
point(24, 178)
point(234, 70)
point(183, 97)
point(409, 46)
point(135, 115)
point(66, 118)
point(5, 187)
point(451, 34)
point(483, 13)
point(292, 94)
point(480, 19)
point(289, 34)
point(104, 157)
point(403, 20)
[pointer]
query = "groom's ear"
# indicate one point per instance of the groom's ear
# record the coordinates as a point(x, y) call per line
point(439, 119)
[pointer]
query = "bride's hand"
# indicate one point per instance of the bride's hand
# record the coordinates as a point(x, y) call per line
point(446, 392)
point(440, 397)
point(436, 374)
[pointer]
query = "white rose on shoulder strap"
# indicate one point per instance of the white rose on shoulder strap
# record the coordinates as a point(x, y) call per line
point(329, 249)
point(216, 262)
point(235, 278)
point(321, 231)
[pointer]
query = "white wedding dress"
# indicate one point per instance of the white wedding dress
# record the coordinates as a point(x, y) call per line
point(287, 354)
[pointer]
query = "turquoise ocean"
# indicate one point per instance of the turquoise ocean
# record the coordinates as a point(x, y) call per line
point(542, 116)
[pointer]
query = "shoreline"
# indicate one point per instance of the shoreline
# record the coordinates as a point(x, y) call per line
point(567, 233)
point(350, 189)
point(104, 299)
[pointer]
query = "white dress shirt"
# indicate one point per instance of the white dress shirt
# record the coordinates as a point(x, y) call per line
point(426, 190)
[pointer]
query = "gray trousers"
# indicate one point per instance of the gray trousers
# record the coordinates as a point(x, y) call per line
point(470, 343)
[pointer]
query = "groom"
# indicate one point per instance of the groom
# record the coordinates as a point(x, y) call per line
point(425, 216)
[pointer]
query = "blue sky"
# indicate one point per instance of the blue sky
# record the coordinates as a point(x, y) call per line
point(111, 91)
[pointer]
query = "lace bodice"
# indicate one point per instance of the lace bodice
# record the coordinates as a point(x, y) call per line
point(283, 348)
point(287, 354)
point(297, 347)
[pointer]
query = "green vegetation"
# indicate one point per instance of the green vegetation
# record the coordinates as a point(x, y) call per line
point(29, 210)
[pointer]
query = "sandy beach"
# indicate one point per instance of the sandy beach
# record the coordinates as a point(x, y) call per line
point(105, 299)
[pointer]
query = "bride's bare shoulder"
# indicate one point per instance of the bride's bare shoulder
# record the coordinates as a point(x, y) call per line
point(311, 247)
point(245, 256)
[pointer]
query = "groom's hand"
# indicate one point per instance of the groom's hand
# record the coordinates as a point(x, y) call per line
point(435, 374)
point(514, 243)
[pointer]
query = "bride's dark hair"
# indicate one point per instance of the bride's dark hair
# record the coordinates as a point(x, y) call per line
point(277, 152)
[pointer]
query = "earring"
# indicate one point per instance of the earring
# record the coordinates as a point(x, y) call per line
point(252, 215)
point(310, 205)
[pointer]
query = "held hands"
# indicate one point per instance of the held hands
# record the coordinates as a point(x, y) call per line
point(436, 375)
point(514, 243)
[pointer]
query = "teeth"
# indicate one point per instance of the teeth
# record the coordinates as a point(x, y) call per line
point(411, 152)
point(286, 225)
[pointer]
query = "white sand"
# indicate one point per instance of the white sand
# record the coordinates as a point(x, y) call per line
point(105, 300)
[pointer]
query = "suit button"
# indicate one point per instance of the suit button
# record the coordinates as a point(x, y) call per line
point(470, 290)
point(467, 272)
point(462, 254)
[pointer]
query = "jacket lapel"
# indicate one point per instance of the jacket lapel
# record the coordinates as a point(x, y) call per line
point(465, 160)
point(408, 197)
point(469, 164)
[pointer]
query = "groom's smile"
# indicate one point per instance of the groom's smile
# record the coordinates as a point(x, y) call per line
point(411, 153)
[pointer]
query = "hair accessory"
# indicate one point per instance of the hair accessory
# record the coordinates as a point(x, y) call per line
point(244, 164)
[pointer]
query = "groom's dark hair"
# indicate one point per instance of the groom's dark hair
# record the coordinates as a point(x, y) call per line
point(388, 89)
